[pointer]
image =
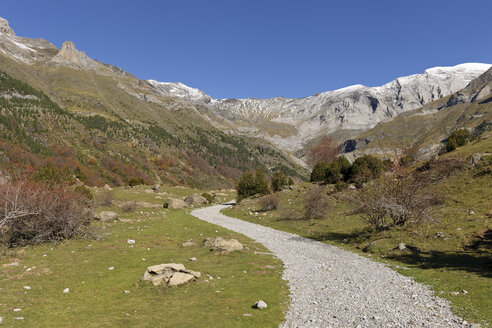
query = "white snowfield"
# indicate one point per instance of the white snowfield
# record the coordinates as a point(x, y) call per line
point(331, 287)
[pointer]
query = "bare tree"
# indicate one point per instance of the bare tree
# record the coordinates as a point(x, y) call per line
point(326, 150)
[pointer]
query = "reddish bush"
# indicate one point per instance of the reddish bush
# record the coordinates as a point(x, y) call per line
point(31, 212)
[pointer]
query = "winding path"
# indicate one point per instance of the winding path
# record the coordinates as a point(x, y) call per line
point(331, 287)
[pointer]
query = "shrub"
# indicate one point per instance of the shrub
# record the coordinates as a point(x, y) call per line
point(269, 202)
point(340, 185)
point(288, 213)
point(279, 180)
point(318, 172)
point(105, 198)
point(129, 206)
point(457, 139)
point(326, 150)
point(32, 212)
point(86, 192)
point(246, 186)
point(364, 169)
point(208, 197)
point(315, 203)
point(249, 184)
point(51, 175)
point(291, 182)
point(261, 182)
point(135, 181)
point(165, 204)
point(397, 199)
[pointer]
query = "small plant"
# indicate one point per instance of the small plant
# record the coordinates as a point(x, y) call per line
point(105, 198)
point(165, 204)
point(269, 202)
point(315, 203)
point(128, 207)
point(208, 197)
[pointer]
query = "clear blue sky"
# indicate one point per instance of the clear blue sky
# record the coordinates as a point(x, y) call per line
point(261, 49)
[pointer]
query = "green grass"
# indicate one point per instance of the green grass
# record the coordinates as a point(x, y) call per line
point(462, 260)
point(97, 298)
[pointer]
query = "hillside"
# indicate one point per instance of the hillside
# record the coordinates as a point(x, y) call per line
point(77, 112)
point(429, 127)
point(450, 252)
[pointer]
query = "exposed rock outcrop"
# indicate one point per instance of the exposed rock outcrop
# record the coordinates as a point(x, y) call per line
point(170, 274)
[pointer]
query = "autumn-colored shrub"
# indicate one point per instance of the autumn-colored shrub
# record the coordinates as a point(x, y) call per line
point(33, 212)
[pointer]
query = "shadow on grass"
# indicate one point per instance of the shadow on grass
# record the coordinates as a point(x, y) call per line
point(356, 236)
point(480, 264)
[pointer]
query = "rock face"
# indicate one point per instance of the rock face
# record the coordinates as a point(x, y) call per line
point(223, 245)
point(354, 108)
point(175, 203)
point(170, 274)
point(195, 199)
point(69, 55)
point(106, 216)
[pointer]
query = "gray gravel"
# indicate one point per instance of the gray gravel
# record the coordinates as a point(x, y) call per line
point(331, 287)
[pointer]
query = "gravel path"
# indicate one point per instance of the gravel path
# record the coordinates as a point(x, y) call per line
point(331, 287)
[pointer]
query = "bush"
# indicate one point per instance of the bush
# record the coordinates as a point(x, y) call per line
point(135, 181)
point(318, 172)
point(249, 185)
point(246, 186)
point(32, 212)
point(129, 206)
point(364, 169)
point(291, 182)
point(279, 180)
point(84, 191)
point(51, 175)
point(315, 203)
point(457, 139)
point(208, 197)
point(261, 182)
point(105, 198)
point(269, 202)
point(165, 204)
point(397, 199)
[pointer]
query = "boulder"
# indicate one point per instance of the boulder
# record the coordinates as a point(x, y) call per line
point(195, 199)
point(189, 243)
point(106, 216)
point(175, 203)
point(170, 274)
point(260, 305)
point(221, 244)
point(107, 187)
point(180, 278)
point(155, 188)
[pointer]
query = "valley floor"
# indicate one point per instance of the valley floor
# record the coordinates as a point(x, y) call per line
point(331, 287)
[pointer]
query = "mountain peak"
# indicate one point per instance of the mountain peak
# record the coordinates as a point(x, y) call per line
point(69, 54)
point(4, 27)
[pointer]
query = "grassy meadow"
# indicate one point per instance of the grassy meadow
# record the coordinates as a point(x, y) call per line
point(222, 297)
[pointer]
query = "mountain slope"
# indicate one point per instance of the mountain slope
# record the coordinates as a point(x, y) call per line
point(292, 123)
point(429, 126)
point(121, 125)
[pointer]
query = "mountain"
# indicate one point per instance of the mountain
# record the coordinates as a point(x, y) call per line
point(428, 127)
point(62, 107)
point(292, 124)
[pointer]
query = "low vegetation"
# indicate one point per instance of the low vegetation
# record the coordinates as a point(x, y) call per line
point(103, 276)
point(440, 210)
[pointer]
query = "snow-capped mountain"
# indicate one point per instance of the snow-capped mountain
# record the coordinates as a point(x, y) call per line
point(353, 108)
point(289, 123)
